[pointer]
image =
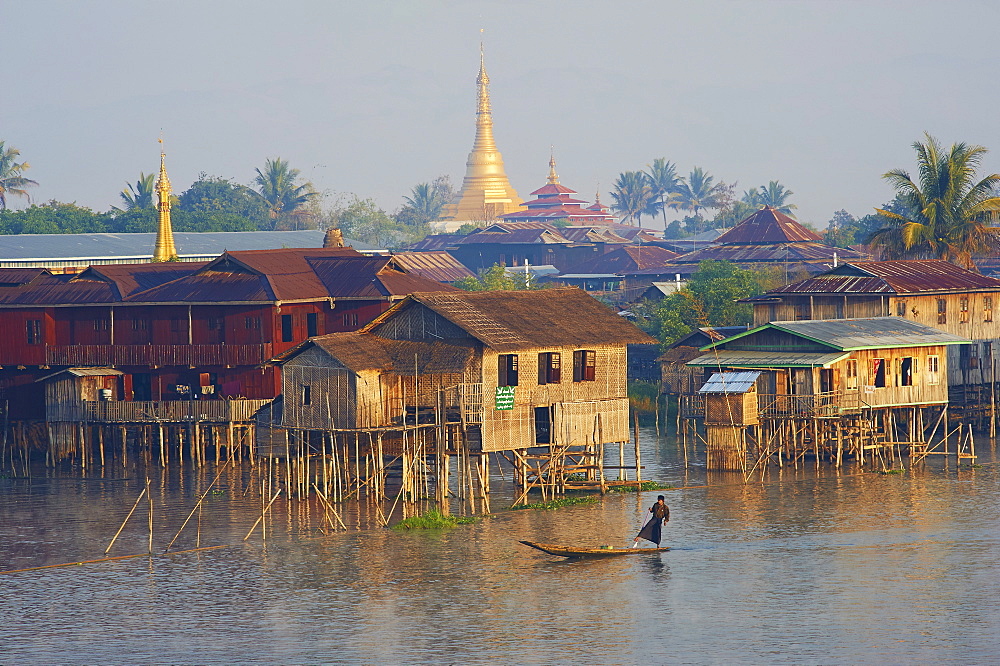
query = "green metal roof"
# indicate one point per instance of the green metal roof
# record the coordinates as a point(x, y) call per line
point(853, 334)
point(757, 359)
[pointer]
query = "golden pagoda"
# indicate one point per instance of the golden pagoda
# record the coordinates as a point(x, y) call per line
point(164, 249)
point(486, 193)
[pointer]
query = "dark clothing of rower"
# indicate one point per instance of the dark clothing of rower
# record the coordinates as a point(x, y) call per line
point(651, 530)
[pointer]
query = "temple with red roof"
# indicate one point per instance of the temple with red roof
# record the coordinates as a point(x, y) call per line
point(554, 202)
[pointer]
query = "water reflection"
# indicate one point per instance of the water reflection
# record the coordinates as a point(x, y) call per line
point(805, 566)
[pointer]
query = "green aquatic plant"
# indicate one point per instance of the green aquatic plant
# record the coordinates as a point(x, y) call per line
point(556, 503)
point(885, 472)
point(433, 520)
point(642, 487)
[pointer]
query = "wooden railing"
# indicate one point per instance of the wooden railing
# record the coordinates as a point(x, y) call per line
point(157, 355)
point(830, 403)
point(239, 410)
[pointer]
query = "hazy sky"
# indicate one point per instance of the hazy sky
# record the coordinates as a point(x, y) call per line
point(373, 97)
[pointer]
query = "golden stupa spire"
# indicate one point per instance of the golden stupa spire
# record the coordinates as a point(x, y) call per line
point(486, 192)
point(553, 176)
point(164, 249)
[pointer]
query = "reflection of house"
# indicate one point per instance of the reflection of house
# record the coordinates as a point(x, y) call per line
point(481, 371)
point(828, 387)
point(934, 293)
point(771, 237)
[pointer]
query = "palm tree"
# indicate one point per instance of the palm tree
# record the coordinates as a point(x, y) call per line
point(12, 180)
point(662, 178)
point(424, 204)
point(278, 187)
point(775, 195)
point(698, 191)
point(947, 214)
point(141, 195)
point(632, 196)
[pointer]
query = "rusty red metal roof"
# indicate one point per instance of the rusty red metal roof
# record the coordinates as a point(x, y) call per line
point(768, 225)
point(48, 289)
point(438, 266)
point(772, 253)
point(370, 277)
point(14, 277)
point(626, 260)
point(552, 189)
point(893, 277)
point(518, 236)
point(130, 279)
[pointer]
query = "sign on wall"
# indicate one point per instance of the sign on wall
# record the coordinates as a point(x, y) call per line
point(505, 397)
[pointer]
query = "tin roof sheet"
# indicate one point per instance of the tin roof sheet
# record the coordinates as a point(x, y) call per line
point(627, 259)
point(861, 333)
point(898, 277)
point(730, 382)
point(726, 358)
point(438, 266)
point(768, 225)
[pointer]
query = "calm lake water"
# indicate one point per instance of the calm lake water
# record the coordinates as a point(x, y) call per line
point(802, 566)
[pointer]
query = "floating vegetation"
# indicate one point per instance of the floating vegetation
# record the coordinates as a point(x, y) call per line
point(885, 472)
point(556, 503)
point(433, 520)
point(642, 487)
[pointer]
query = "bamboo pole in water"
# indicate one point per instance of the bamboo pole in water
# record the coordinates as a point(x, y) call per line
point(261, 518)
point(149, 496)
point(134, 507)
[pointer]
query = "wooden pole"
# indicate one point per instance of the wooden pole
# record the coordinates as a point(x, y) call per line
point(134, 507)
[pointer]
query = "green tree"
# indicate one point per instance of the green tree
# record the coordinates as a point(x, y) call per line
point(364, 220)
point(53, 217)
point(776, 195)
point(286, 198)
point(425, 202)
point(841, 230)
point(663, 180)
point(140, 195)
point(496, 278)
point(947, 213)
point(219, 198)
point(699, 190)
point(12, 180)
point(633, 196)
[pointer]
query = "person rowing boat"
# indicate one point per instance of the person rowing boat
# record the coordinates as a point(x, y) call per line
point(651, 531)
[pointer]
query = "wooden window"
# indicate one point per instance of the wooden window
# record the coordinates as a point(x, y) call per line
point(33, 331)
point(251, 322)
point(851, 373)
point(139, 325)
point(802, 311)
point(987, 308)
point(906, 370)
point(900, 308)
point(286, 328)
point(312, 324)
point(974, 355)
point(933, 370)
point(942, 309)
point(175, 325)
point(507, 370)
point(100, 324)
point(216, 323)
point(584, 365)
point(963, 310)
point(306, 395)
point(878, 372)
point(549, 368)
point(350, 319)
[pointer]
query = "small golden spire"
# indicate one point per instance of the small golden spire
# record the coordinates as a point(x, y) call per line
point(597, 195)
point(164, 250)
point(553, 176)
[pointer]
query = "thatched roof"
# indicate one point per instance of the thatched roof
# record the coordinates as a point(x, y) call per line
point(364, 351)
point(512, 320)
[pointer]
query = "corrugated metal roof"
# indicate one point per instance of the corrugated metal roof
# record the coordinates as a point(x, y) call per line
point(768, 225)
point(861, 333)
point(519, 236)
point(907, 276)
point(130, 279)
point(205, 244)
point(627, 259)
point(439, 266)
point(730, 382)
point(15, 277)
point(726, 358)
point(364, 351)
point(769, 253)
point(370, 277)
point(84, 372)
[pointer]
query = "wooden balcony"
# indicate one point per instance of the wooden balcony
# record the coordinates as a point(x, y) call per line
point(157, 355)
point(239, 410)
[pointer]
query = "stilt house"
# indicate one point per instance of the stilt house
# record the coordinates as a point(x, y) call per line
point(477, 371)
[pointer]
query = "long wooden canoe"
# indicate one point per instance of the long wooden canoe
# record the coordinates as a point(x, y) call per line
point(569, 551)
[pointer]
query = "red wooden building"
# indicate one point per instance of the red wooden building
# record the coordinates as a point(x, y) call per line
point(183, 331)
